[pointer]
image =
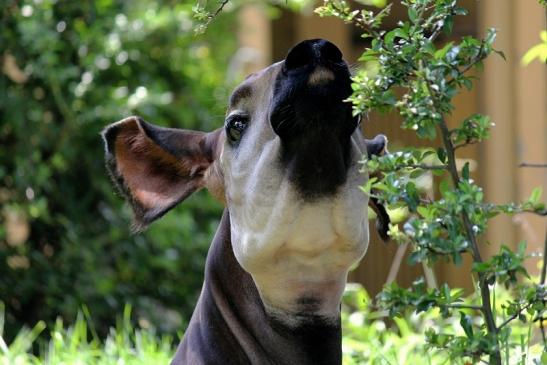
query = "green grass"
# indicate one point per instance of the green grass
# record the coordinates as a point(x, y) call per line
point(72, 345)
point(367, 340)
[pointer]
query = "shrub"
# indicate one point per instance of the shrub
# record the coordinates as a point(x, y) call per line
point(417, 78)
point(70, 69)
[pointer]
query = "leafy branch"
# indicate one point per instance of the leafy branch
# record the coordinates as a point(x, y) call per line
point(205, 17)
point(418, 79)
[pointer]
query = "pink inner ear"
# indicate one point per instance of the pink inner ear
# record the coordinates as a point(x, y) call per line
point(155, 178)
point(161, 199)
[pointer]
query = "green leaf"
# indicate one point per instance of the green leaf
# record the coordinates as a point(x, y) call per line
point(465, 171)
point(444, 187)
point(438, 172)
point(467, 83)
point(460, 11)
point(522, 248)
point(467, 325)
point(538, 51)
point(490, 36)
point(536, 195)
point(368, 186)
point(416, 257)
point(412, 196)
point(441, 154)
point(423, 211)
point(389, 38)
point(416, 173)
point(502, 55)
point(369, 55)
point(412, 14)
point(457, 259)
point(376, 3)
point(448, 25)
point(439, 54)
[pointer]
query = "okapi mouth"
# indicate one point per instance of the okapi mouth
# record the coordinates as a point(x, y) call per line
point(310, 115)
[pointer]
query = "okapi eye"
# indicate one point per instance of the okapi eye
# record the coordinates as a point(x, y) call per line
point(235, 125)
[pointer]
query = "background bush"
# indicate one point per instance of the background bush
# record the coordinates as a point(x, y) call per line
point(68, 69)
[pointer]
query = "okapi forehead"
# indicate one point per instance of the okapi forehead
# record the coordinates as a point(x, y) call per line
point(244, 91)
point(250, 92)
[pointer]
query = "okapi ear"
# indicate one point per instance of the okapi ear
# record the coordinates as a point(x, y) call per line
point(378, 147)
point(382, 218)
point(156, 168)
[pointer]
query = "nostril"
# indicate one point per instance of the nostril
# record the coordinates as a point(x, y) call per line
point(299, 56)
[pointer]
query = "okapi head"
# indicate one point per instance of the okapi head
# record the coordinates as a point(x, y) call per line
point(286, 165)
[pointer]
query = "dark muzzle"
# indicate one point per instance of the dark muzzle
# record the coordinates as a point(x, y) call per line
point(310, 90)
point(310, 115)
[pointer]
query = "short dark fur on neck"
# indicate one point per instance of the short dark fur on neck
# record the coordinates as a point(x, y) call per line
point(230, 325)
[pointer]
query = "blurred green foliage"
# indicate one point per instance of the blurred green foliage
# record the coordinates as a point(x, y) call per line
point(67, 70)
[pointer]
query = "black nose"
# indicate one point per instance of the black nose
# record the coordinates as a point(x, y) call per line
point(312, 52)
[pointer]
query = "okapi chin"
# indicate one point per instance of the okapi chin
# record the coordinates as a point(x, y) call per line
point(286, 166)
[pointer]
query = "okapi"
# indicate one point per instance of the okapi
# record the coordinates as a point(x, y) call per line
point(286, 166)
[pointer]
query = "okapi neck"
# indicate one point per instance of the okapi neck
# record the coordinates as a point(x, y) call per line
point(231, 326)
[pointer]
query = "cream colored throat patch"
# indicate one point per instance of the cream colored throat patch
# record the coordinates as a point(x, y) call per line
point(320, 76)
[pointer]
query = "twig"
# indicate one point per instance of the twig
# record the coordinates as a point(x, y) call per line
point(219, 9)
point(211, 17)
point(417, 166)
point(541, 213)
point(463, 306)
point(435, 34)
point(521, 309)
point(439, 29)
point(544, 266)
point(543, 336)
point(429, 274)
point(495, 356)
point(441, 252)
point(465, 144)
point(426, 167)
point(480, 56)
point(396, 264)
point(538, 165)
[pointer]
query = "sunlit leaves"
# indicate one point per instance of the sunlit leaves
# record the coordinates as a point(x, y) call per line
point(474, 129)
point(505, 266)
point(539, 51)
point(420, 297)
point(365, 19)
point(418, 77)
point(473, 344)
